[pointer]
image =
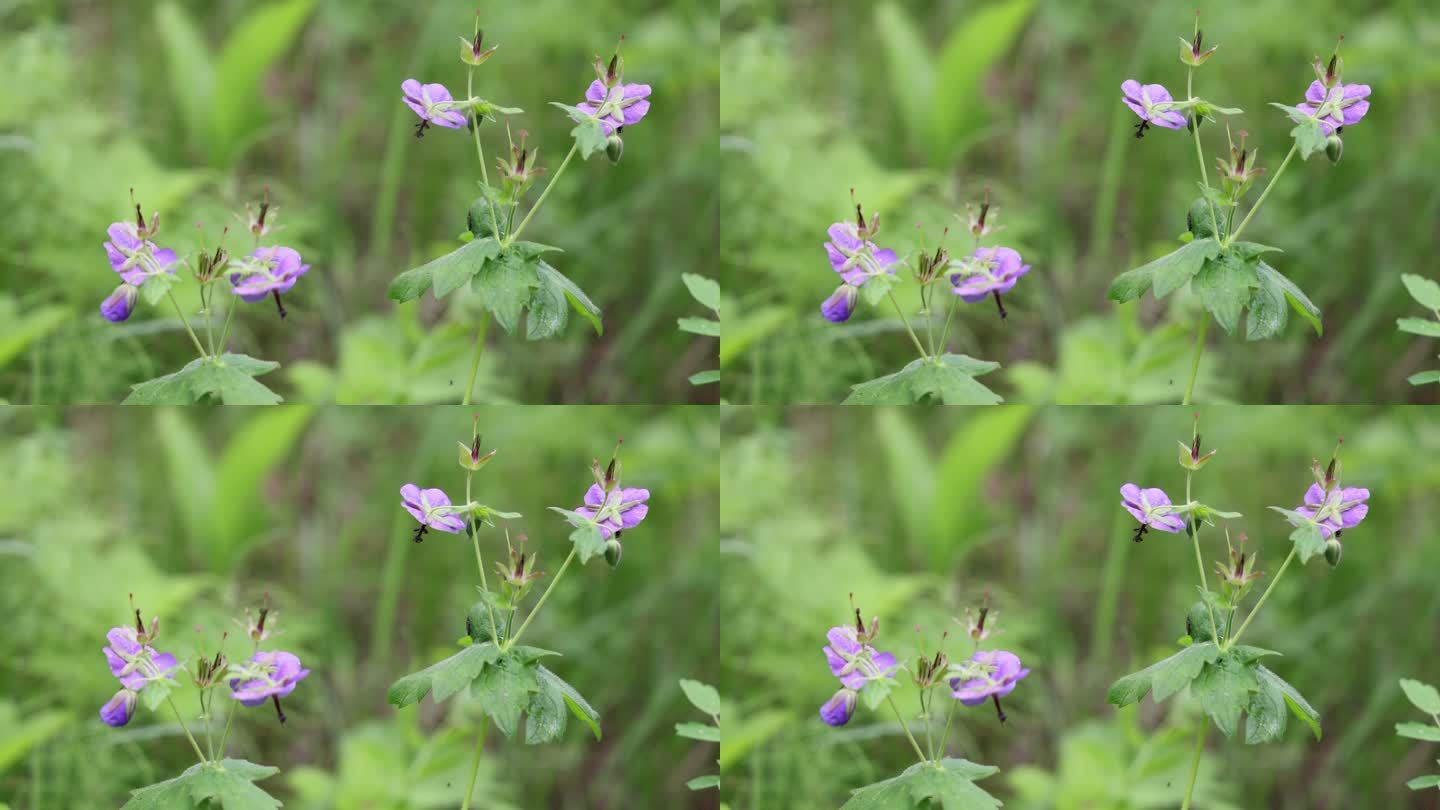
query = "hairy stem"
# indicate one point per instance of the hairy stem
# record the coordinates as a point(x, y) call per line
point(1266, 595)
point(906, 726)
point(906, 321)
point(515, 234)
point(1195, 765)
point(225, 332)
point(188, 735)
point(1195, 359)
point(509, 642)
point(1200, 154)
point(1235, 234)
point(188, 330)
point(475, 360)
point(475, 764)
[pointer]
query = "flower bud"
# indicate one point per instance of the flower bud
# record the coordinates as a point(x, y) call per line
point(470, 456)
point(472, 52)
point(117, 711)
point(838, 709)
point(1334, 148)
point(612, 552)
point(1332, 552)
point(614, 147)
point(119, 304)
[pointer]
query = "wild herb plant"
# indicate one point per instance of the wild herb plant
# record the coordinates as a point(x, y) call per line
point(147, 271)
point(1427, 700)
point(707, 293)
point(703, 697)
point(147, 676)
point(869, 270)
point(504, 275)
point(1227, 274)
point(505, 678)
point(1225, 677)
point(1427, 294)
point(868, 675)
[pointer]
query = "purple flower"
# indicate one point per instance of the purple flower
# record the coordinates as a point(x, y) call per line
point(133, 663)
point(136, 259)
point(1152, 508)
point(432, 508)
point(268, 270)
point(1341, 508)
point(1341, 106)
point(433, 103)
point(268, 675)
point(620, 106)
point(992, 673)
point(840, 304)
point(119, 304)
point(117, 711)
point(1152, 103)
point(854, 663)
point(620, 509)
point(988, 270)
point(857, 260)
point(837, 710)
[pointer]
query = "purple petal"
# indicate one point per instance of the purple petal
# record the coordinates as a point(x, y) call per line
point(1155, 93)
point(1315, 92)
point(1314, 496)
point(596, 93)
point(839, 306)
point(594, 496)
point(633, 113)
point(844, 235)
point(436, 92)
point(838, 709)
point(117, 711)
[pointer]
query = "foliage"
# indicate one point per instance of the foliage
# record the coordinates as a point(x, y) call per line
point(1427, 294)
point(1424, 697)
point(703, 697)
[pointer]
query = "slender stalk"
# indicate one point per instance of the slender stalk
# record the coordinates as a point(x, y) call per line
point(480, 562)
point(475, 360)
point(475, 764)
point(1200, 154)
point(225, 332)
point(1235, 234)
point(1263, 597)
point(945, 736)
point(191, 332)
point(906, 726)
point(205, 713)
point(945, 333)
point(906, 321)
point(929, 318)
point(229, 719)
point(205, 296)
point(1195, 360)
point(1195, 765)
point(188, 735)
point(509, 642)
point(929, 725)
point(1199, 564)
point(555, 178)
point(480, 150)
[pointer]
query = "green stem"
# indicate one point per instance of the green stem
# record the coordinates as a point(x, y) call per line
point(1200, 155)
point(480, 562)
point(475, 764)
point(1195, 765)
point(555, 178)
point(229, 719)
point(1235, 234)
point(480, 150)
point(1199, 564)
point(1195, 360)
point(225, 332)
point(1231, 642)
point(945, 333)
point(945, 736)
point(188, 735)
point(191, 332)
point(906, 321)
point(205, 712)
point(475, 359)
point(510, 642)
point(929, 318)
point(906, 726)
point(205, 296)
point(925, 703)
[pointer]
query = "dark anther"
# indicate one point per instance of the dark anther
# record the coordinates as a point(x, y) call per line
point(999, 711)
point(279, 711)
point(139, 217)
point(421, 127)
point(420, 532)
point(278, 305)
point(859, 217)
point(1140, 128)
point(859, 622)
point(1140, 532)
point(999, 304)
point(139, 624)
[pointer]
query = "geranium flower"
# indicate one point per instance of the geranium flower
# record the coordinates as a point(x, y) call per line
point(1152, 508)
point(432, 508)
point(615, 511)
point(1152, 103)
point(1341, 508)
point(620, 106)
point(433, 103)
point(1340, 106)
point(988, 674)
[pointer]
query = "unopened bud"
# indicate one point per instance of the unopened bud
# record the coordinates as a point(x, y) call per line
point(614, 147)
point(1332, 552)
point(1334, 148)
point(612, 552)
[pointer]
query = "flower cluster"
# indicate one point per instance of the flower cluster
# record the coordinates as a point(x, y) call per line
point(857, 260)
point(855, 663)
point(1330, 507)
point(135, 664)
point(136, 259)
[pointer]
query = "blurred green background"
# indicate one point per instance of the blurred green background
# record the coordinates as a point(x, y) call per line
point(919, 512)
point(920, 105)
point(304, 96)
point(199, 513)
